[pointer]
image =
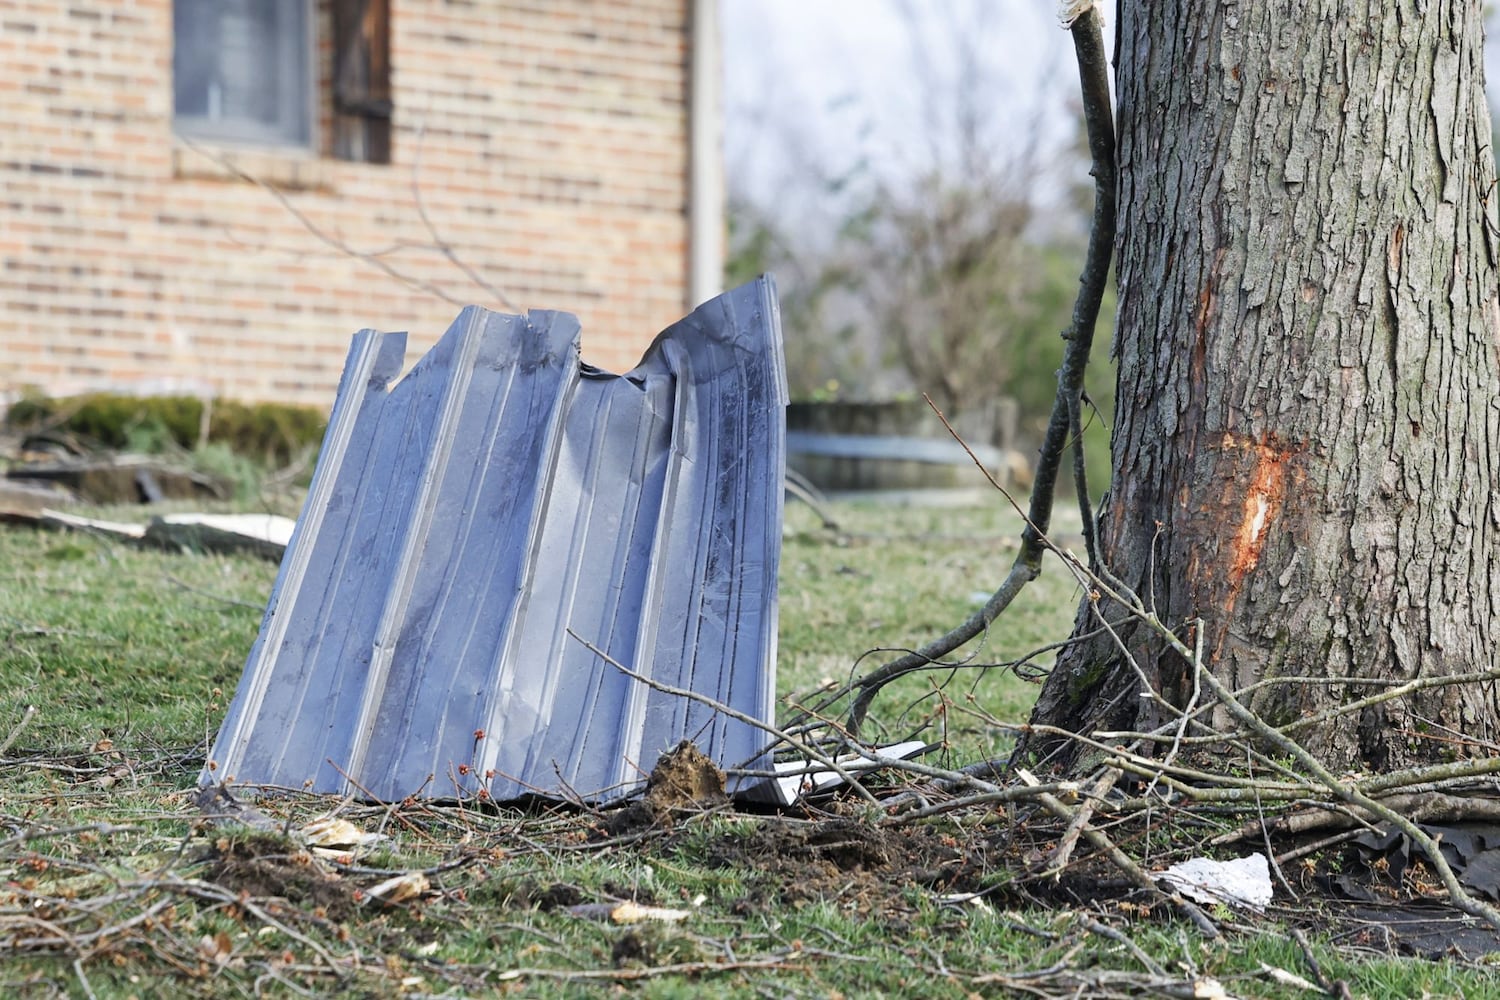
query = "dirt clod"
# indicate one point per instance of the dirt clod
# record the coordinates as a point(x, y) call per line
point(684, 779)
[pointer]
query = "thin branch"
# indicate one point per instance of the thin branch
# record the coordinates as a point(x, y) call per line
point(374, 260)
point(1120, 859)
point(15, 733)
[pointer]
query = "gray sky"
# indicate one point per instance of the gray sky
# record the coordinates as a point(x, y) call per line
point(819, 85)
point(813, 85)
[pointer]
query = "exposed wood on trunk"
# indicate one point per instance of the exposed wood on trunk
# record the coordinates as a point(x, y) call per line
point(1305, 450)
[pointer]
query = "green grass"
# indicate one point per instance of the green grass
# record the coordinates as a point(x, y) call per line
point(111, 642)
point(111, 885)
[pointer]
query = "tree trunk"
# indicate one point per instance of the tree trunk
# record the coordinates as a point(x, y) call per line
point(1308, 415)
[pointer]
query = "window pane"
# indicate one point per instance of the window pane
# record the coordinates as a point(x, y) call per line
point(240, 69)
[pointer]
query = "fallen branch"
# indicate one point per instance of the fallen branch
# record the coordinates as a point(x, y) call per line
point(1352, 794)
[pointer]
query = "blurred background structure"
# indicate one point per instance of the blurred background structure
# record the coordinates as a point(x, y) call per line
point(913, 173)
point(916, 175)
point(211, 196)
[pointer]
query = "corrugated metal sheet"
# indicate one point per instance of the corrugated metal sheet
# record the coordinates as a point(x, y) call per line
point(462, 520)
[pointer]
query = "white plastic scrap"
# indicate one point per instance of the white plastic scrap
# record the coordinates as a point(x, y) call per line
point(1241, 882)
point(803, 778)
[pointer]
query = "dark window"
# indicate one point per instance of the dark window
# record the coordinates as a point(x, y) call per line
point(362, 80)
point(242, 70)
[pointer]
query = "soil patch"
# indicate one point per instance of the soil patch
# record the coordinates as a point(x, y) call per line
point(796, 861)
point(263, 866)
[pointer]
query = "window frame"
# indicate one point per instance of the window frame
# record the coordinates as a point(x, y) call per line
point(245, 131)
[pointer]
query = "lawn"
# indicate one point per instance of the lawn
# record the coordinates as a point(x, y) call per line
point(115, 669)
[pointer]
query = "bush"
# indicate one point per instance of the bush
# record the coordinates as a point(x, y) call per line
point(270, 433)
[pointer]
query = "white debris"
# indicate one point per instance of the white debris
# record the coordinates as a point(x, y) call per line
point(804, 777)
point(1241, 882)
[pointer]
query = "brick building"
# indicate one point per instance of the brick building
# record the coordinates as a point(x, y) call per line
point(211, 196)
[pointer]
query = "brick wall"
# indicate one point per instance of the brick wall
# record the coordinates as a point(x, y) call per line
point(549, 140)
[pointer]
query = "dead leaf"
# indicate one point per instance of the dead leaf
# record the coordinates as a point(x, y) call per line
point(217, 948)
point(400, 889)
point(334, 837)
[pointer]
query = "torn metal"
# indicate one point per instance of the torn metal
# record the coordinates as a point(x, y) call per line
point(800, 779)
point(464, 520)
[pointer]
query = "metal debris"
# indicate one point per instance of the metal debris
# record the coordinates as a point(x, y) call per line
point(264, 535)
point(464, 519)
point(802, 778)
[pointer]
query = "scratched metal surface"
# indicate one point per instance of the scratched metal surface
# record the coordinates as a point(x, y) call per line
point(464, 518)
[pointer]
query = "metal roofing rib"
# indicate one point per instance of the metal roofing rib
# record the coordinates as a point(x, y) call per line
point(463, 520)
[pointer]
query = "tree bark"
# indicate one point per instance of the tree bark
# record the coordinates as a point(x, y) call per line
point(1308, 409)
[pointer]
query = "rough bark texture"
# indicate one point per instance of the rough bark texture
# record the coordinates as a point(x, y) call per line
point(1305, 446)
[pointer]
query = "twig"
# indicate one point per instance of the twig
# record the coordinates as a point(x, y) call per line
point(334, 243)
point(233, 602)
point(389, 807)
point(1334, 988)
point(1121, 860)
point(677, 969)
point(999, 796)
point(1260, 813)
point(1084, 813)
point(217, 893)
point(15, 733)
point(1305, 849)
point(1398, 691)
point(441, 244)
point(1104, 930)
point(83, 980)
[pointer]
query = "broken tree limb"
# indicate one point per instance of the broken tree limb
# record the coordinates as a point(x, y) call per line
point(1093, 71)
point(1100, 788)
point(1350, 792)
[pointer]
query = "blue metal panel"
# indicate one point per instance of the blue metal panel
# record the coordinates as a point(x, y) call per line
point(463, 519)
